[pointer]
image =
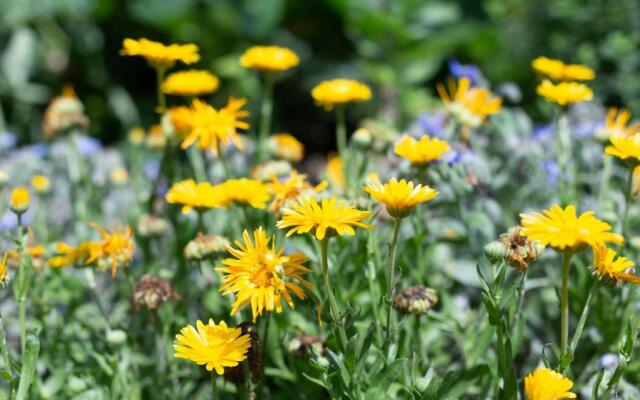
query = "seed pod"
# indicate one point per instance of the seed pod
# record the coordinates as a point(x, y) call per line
point(152, 292)
point(205, 246)
point(415, 300)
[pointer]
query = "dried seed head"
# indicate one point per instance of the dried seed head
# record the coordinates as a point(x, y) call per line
point(520, 251)
point(205, 246)
point(415, 300)
point(152, 292)
point(254, 358)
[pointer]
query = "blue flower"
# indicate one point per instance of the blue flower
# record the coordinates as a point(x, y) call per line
point(465, 71)
point(431, 124)
point(460, 156)
point(542, 133)
point(88, 145)
point(7, 140)
point(586, 128)
point(151, 169)
point(551, 171)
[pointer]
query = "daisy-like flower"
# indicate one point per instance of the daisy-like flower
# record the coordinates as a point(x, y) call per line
point(116, 248)
point(625, 148)
point(400, 197)
point(19, 202)
point(262, 276)
point(563, 230)
point(210, 127)
point(335, 170)
point(329, 218)
point(294, 186)
point(159, 54)
point(286, 147)
point(199, 196)
point(468, 105)
point(245, 191)
point(340, 91)
point(559, 71)
point(610, 268)
point(564, 93)
point(190, 83)
point(615, 125)
point(3, 268)
point(215, 346)
point(269, 58)
point(180, 118)
point(40, 184)
point(421, 152)
point(546, 384)
point(68, 255)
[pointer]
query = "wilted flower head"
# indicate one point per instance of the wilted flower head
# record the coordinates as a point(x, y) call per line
point(40, 184)
point(19, 202)
point(269, 58)
point(115, 248)
point(340, 91)
point(421, 152)
point(400, 197)
point(564, 93)
point(559, 71)
point(205, 246)
point(625, 148)
point(546, 384)
point(158, 54)
point(610, 268)
point(470, 106)
point(286, 147)
point(519, 251)
point(254, 358)
point(415, 300)
point(152, 292)
point(63, 114)
point(190, 83)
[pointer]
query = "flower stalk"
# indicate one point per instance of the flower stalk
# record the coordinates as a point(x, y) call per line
point(266, 113)
point(390, 334)
point(564, 303)
point(333, 305)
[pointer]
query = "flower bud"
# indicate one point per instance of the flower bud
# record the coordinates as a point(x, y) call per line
point(362, 138)
point(116, 336)
point(494, 251)
point(415, 300)
point(4, 179)
point(152, 226)
point(205, 246)
point(19, 202)
point(136, 135)
point(40, 184)
point(118, 176)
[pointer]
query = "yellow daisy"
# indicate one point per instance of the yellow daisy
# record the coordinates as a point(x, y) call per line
point(159, 54)
point(559, 71)
point(269, 58)
point(468, 105)
point(116, 247)
point(3, 268)
point(400, 197)
point(329, 218)
point(180, 117)
point(286, 147)
point(40, 184)
point(563, 230)
point(546, 384)
point(340, 91)
point(244, 191)
point(262, 276)
point(421, 152)
point(190, 83)
point(564, 93)
point(294, 186)
point(200, 196)
point(616, 124)
point(19, 202)
point(335, 170)
point(608, 267)
point(625, 148)
point(214, 346)
point(210, 127)
point(68, 255)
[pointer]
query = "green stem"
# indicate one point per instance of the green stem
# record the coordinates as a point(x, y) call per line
point(214, 387)
point(333, 305)
point(564, 158)
point(266, 113)
point(201, 226)
point(627, 201)
point(607, 163)
point(341, 132)
point(196, 159)
point(581, 323)
point(392, 263)
point(224, 161)
point(4, 350)
point(162, 103)
point(564, 303)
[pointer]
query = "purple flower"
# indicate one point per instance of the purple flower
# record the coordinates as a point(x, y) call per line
point(7, 140)
point(459, 156)
point(88, 145)
point(542, 133)
point(38, 150)
point(586, 128)
point(465, 71)
point(431, 124)
point(551, 170)
point(151, 169)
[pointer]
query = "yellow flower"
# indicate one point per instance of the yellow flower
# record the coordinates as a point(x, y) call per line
point(119, 176)
point(19, 202)
point(296, 185)
point(563, 230)
point(180, 117)
point(68, 255)
point(606, 266)
point(40, 183)
point(245, 191)
point(214, 346)
point(3, 268)
point(159, 54)
point(625, 148)
point(200, 196)
point(335, 170)
point(156, 138)
point(285, 146)
point(340, 91)
point(262, 276)
point(329, 218)
point(64, 113)
point(269, 58)
point(615, 125)
point(546, 384)
point(190, 83)
point(564, 93)
point(211, 127)
point(400, 197)
point(136, 135)
point(559, 71)
point(468, 105)
point(421, 152)
point(115, 247)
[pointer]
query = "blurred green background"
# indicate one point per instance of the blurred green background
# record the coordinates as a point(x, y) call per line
point(400, 47)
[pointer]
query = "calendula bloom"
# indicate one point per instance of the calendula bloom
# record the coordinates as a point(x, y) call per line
point(285, 146)
point(564, 93)
point(211, 127)
point(3, 268)
point(559, 71)
point(625, 148)
point(563, 230)
point(190, 83)
point(262, 276)
point(335, 170)
point(159, 54)
point(610, 268)
point(156, 138)
point(421, 152)
point(294, 186)
point(191, 195)
point(40, 184)
point(136, 135)
point(329, 218)
point(245, 191)
point(64, 113)
point(115, 247)
point(67, 255)
point(400, 197)
point(119, 176)
point(269, 58)
point(214, 346)
point(19, 202)
point(468, 105)
point(546, 384)
point(615, 125)
point(340, 91)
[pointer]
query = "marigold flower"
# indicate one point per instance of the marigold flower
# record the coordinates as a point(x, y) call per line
point(340, 91)
point(64, 113)
point(296, 185)
point(3, 268)
point(159, 54)
point(546, 384)
point(564, 231)
point(245, 191)
point(68, 255)
point(610, 268)
point(400, 197)
point(214, 346)
point(262, 276)
point(19, 202)
point(190, 83)
point(285, 146)
point(421, 152)
point(564, 93)
point(329, 218)
point(559, 71)
point(625, 148)
point(269, 58)
point(116, 247)
point(615, 125)
point(211, 127)
point(200, 196)
point(335, 170)
point(40, 184)
point(468, 105)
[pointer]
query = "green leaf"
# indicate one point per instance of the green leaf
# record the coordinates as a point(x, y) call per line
point(29, 359)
